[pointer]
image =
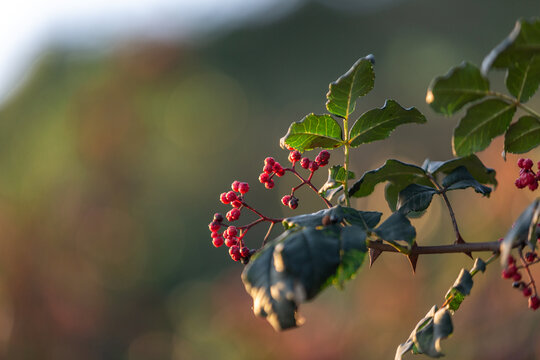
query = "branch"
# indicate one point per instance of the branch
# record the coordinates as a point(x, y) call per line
point(492, 246)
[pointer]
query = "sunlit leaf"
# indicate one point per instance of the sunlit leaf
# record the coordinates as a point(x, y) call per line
point(523, 78)
point(461, 288)
point(313, 131)
point(336, 178)
point(356, 82)
point(377, 124)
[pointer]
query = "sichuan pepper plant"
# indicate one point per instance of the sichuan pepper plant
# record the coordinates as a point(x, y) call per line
point(329, 246)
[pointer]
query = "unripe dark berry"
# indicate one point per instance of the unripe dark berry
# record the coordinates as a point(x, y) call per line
point(233, 214)
point(231, 196)
point(244, 251)
point(234, 251)
point(516, 284)
point(218, 217)
point(264, 177)
point(217, 241)
point(293, 203)
point(534, 302)
point(243, 187)
point(268, 168)
point(236, 204)
point(269, 161)
point(313, 166)
point(234, 185)
point(530, 256)
point(520, 163)
point(304, 162)
point(285, 200)
point(527, 292)
point(232, 231)
point(269, 184)
point(527, 164)
point(223, 198)
point(214, 226)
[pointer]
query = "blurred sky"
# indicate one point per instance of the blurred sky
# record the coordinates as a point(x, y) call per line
point(29, 26)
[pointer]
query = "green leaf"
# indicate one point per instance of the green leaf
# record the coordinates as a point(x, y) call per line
point(353, 253)
point(472, 163)
point(520, 231)
point(336, 178)
point(377, 124)
point(296, 266)
point(427, 334)
point(356, 82)
point(482, 123)
point(335, 215)
point(460, 178)
point(479, 265)
point(462, 85)
point(522, 43)
point(397, 228)
point(523, 78)
point(259, 277)
point(523, 135)
point(313, 131)
point(415, 198)
point(461, 288)
point(395, 171)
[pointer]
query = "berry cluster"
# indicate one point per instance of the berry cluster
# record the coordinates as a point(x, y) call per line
point(272, 167)
point(512, 271)
point(527, 177)
point(232, 236)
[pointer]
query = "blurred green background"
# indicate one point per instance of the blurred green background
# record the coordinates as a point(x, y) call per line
point(112, 163)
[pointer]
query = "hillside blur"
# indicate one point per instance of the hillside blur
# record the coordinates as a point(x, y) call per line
point(112, 166)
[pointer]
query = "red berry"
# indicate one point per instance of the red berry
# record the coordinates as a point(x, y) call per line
point(269, 161)
point(530, 256)
point(230, 241)
point(218, 217)
point(236, 203)
point(217, 241)
point(234, 185)
point(214, 226)
point(313, 166)
point(215, 234)
point(244, 251)
point(304, 162)
point(234, 251)
point(268, 168)
point(289, 147)
point(325, 155)
point(527, 292)
point(232, 231)
point(534, 302)
point(509, 272)
point(293, 203)
point(527, 164)
point(294, 156)
point(269, 184)
point(277, 167)
point(285, 200)
point(516, 277)
point(233, 214)
point(223, 198)
point(280, 172)
point(533, 186)
point(511, 259)
point(520, 163)
point(528, 178)
point(520, 183)
point(243, 187)
point(263, 177)
point(231, 196)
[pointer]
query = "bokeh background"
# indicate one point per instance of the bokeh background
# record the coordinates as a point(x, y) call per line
point(119, 131)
